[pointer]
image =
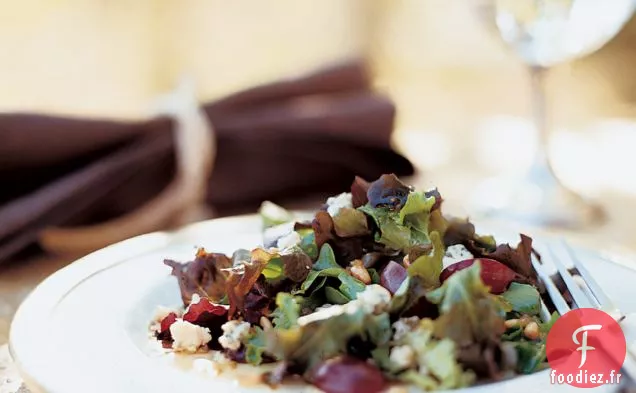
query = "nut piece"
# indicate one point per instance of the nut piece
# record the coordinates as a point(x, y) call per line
point(511, 323)
point(357, 270)
point(524, 320)
point(406, 261)
point(531, 331)
point(266, 324)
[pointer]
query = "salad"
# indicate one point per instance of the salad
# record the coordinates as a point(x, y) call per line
point(379, 288)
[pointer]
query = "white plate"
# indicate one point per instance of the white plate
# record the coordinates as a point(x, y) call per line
point(84, 329)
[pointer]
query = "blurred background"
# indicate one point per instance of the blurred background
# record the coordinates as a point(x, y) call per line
point(463, 98)
point(453, 80)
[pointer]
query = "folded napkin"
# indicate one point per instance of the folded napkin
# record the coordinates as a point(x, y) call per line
point(74, 185)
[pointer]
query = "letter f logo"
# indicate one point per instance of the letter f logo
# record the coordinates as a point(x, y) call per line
point(584, 347)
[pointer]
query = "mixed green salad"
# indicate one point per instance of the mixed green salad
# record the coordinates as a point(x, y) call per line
point(378, 288)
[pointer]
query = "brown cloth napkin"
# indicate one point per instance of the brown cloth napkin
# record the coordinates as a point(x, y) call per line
point(281, 141)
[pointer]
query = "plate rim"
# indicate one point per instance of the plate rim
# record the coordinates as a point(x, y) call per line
point(62, 282)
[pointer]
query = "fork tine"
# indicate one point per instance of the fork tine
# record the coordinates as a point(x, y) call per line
point(559, 302)
point(579, 297)
point(600, 295)
point(545, 313)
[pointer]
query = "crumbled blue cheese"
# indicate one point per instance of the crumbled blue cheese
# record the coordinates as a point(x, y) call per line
point(456, 253)
point(403, 326)
point(323, 307)
point(272, 234)
point(373, 299)
point(290, 240)
point(402, 357)
point(233, 333)
point(325, 313)
point(189, 337)
point(335, 203)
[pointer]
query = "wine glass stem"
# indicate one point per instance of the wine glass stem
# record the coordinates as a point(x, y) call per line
point(541, 160)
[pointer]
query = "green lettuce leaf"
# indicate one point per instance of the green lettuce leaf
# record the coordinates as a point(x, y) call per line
point(334, 296)
point(379, 330)
point(375, 276)
point(531, 357)
point(392, 234)
point(438, 223)
point(274, 269)
point(513, 334)
point(293, 264)
point(350, 222)
point(469, 312)
point(326, 267)
point(255, 346)
point(326, 258)
point(546, 326)
point(309, 344)
point(410, 299)
point(429, 267)
point(272, 214)
point(286, 312)
point(406, 228)
point(350, 287)
point(422, 381)
point(401, 297)
point(308, 304)
point(380, 356)
point(317, 279)
point(523, 298)
point(416, 212)
point(436, 360)
point(308, 243)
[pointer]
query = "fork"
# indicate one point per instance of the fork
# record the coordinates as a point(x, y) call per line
point(584, 290)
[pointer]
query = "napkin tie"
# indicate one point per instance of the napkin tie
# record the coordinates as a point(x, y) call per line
point(182, 201)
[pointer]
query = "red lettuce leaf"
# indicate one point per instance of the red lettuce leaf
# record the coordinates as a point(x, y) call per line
point(197, 311)
point(359, 189)
point(205, 275)
point(438, 198)
point(164, 330)
point(323, 228)
point(518, 259)
point(241, 280)
point(296, 266)
point(388, 191)
point(345, 249)
point(257, 304)
point(209, 315)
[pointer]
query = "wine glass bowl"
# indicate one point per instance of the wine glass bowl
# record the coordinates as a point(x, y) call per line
point(544, 33)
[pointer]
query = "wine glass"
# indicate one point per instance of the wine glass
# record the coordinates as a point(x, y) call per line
point(544, 33)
